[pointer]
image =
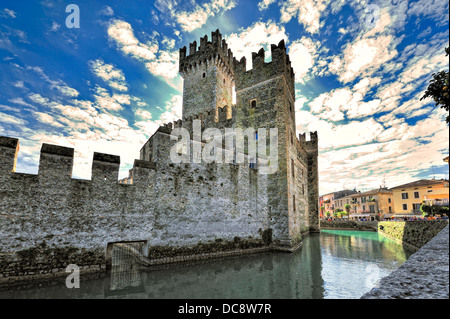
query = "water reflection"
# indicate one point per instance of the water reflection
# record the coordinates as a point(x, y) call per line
point(332, 264)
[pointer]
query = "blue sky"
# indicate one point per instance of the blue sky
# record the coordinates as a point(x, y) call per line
point(361, 68)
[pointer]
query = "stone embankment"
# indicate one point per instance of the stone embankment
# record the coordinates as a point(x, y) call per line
point(349, 225)
point(425, 275)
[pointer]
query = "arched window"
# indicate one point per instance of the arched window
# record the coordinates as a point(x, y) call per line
point(253, 104)
point(204, 75)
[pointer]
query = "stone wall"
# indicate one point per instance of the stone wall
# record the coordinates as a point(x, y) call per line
point(412, 233)
point(349, 224)
point(425, 275)
point(168, 205)
point(50, 220)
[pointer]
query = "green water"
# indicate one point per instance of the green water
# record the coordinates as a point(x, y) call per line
point(332, 264)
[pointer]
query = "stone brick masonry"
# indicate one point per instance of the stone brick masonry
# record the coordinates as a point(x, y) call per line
point(49, 220)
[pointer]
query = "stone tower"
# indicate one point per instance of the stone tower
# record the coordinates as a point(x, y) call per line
point(208, 76)
point(265, 98)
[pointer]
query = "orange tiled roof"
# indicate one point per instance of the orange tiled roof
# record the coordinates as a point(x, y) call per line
point(422, 182)
point(373, 192)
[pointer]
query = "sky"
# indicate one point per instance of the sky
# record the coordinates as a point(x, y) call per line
point(107, 84)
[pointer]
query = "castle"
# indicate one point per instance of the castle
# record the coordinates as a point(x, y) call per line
point(50, 220)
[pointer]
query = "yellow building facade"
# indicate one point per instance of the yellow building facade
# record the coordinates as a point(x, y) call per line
point(409, 197)
point(376, 202)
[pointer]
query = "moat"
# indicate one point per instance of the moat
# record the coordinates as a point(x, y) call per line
point(332, 264)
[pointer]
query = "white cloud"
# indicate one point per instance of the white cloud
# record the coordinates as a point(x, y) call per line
point(20, 101)
point(18, 84)
point(434, 9)
point(251, 39)
point(105, 101)
point(8, 13)
point(110, 74)
point(420, 61)
point(374, 47)
point(308, 12)
point(191, 20)
point(47, 119)
point(343, 102)
point(143, 114)
point(107, 11)
point(365, 56)
point(303, 54)
point(264, 4)
point(55, 26)
point(158, 62)
point(173, 110)
point(7, 118)
point(37, 98)
point(67, 91)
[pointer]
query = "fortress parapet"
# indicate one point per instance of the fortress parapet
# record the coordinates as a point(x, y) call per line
point(56, 162)
point(105, 167)
point(9, 147)
point(215, 51)
point(280, 64)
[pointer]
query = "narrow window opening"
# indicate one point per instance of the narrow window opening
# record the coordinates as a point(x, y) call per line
point(292, 168)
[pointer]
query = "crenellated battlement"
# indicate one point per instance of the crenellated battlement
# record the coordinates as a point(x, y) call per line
point(56, 163)
point(261, 70)
point(9, 147)
point(313, 139)
point(209, 52)
point(312, 144)
point(169, 203)
point(224, 118)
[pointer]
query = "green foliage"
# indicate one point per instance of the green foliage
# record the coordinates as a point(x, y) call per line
point(444, 210)
point(347, 207)
point(438, 89)
point(425, 209)
point(431, 210)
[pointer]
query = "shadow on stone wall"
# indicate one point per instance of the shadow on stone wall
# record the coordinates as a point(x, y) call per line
point(413, 234)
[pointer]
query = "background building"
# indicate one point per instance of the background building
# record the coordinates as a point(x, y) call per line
point(409, 197)
point(376, 202)
point(329, 203)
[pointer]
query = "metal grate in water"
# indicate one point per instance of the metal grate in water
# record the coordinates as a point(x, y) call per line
point(125, 270)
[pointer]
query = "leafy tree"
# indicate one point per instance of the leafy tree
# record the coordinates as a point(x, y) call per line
point(425, 209)
point(438, 89)
point(347, 207)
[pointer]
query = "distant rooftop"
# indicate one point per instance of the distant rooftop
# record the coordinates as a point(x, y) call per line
point(373, 192)
point(422, 182)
